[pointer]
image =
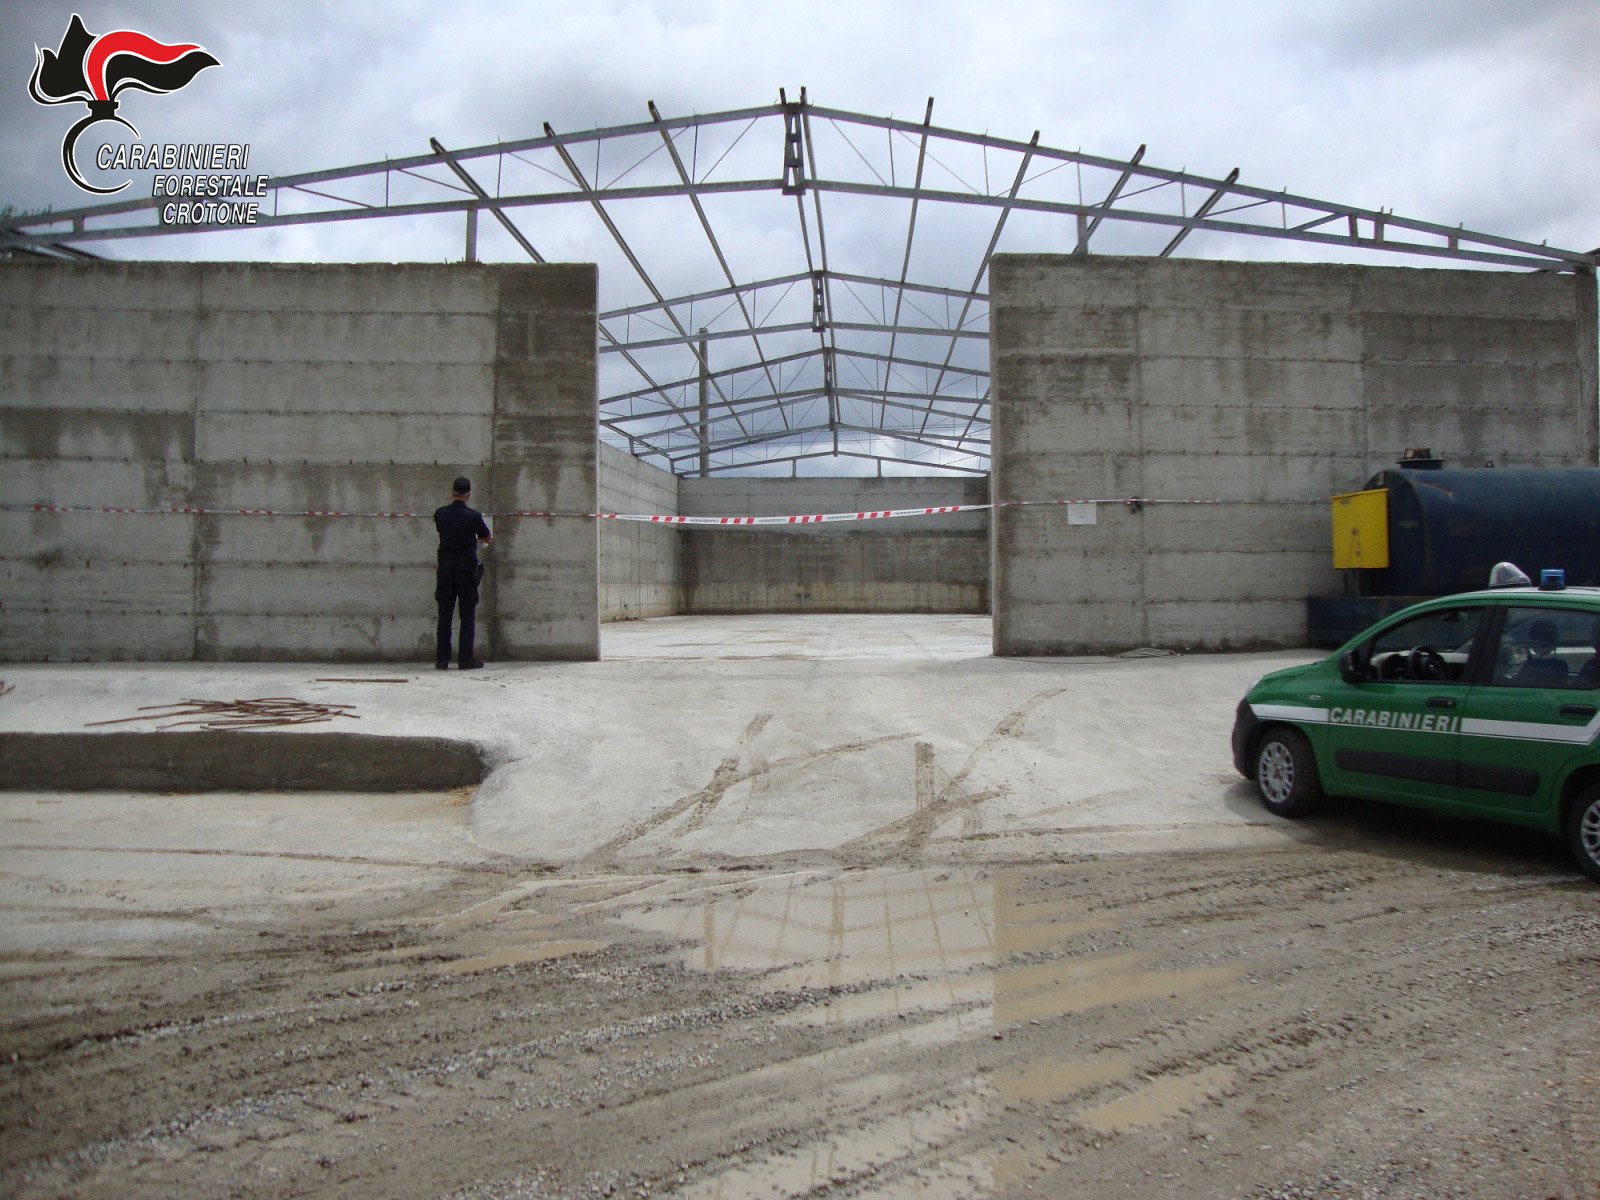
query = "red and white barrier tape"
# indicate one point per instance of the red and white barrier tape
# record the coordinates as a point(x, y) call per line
point(651, 518)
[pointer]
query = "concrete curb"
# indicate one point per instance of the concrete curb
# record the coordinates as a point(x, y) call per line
point(227, 761)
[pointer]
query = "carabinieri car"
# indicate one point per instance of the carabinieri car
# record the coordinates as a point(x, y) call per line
point(1484, 704)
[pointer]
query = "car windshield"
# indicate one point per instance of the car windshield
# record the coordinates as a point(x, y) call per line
point(1431, 646)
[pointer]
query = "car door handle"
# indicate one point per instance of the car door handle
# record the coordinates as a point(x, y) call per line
point(1441, 701)
point(1577, 710)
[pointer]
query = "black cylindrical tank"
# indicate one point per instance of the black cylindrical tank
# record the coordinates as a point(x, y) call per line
point(1448, 527)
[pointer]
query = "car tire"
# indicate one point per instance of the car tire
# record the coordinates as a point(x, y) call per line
point(1286, 773)
point(1583, 830)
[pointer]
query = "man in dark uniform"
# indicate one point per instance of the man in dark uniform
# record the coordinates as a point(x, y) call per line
point(461, 530)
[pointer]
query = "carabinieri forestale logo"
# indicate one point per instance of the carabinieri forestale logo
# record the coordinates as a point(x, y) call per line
point(96, 69)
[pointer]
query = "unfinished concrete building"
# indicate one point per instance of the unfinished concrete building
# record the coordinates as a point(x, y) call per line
point(221, 461)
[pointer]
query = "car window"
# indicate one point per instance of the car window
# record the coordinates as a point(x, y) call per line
point(1547, 648)
point(1426, 649)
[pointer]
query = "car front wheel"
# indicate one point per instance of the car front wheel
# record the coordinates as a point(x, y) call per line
point(1583, 830)
point(1286, 774)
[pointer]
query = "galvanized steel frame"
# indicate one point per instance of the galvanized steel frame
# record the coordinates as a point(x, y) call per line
point(757, 416)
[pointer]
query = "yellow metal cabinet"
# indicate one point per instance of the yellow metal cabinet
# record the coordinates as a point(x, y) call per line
point(1361, 529)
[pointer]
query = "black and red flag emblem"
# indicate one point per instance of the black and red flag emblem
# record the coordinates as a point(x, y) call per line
point(94, 69)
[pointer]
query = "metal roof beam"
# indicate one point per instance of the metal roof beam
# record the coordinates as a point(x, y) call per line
point(478, 190)
point(1086, 230)
point(988, 253)
point(722, 261)
point(494, 209)
point(710, 336)
point(857, 326)
point(911, 228)
point(790, 458)
point(1184, 177)
point(411, 163)
point(753, 405)
point(634, 310)
point(748, 406)
point(796, 277)
point(33, 228)
point(725, 372)
point(847, 352)
point(418, 209)
point(1200, 214)
point(822, 321)
point(622, 244)
point(1547, 258)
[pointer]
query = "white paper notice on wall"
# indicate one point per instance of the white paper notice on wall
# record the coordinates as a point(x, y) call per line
point(1082, 514)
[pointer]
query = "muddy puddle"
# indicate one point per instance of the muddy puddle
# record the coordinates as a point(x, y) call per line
point(1319, 1022)
point(942, 957)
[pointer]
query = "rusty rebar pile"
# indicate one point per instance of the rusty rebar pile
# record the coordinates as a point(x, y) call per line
point(240, 714)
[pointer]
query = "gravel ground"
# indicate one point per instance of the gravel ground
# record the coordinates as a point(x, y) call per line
point(1379, 1006)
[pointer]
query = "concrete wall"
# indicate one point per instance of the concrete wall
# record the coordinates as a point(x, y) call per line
point(913, 564)
point(355, 388)
point(638, 563)
point(1267, 386)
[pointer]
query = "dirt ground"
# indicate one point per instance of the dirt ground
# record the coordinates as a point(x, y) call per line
point(1373, 1004)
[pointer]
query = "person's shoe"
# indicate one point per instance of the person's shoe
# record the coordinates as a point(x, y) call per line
point(441, 666)
point(471, 664)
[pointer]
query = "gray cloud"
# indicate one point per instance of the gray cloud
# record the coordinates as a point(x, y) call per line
point(1450, 110)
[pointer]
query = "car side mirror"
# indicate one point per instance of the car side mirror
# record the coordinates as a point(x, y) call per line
point(1350, 667)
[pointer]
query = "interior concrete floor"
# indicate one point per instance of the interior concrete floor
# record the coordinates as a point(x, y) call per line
point(872, 737)
point(852, 740)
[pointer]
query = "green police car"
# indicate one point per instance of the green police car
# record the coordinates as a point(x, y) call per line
point(1485, 704)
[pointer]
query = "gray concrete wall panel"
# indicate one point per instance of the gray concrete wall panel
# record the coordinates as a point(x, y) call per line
point(44, 538)
point(346, 337)
point(95, 433)
point(768, 497)
point(908, 564)
point(1296, 431)
point(400, 288)
point(68, 333)
point(64, 633)
point(638, 562)
point(1269, 387)
point(109, 587)
point(545, 586)
point(361, 388)
point(1178, 382)
point(1295, 526)
point(45, 381)
point(271, 637)
point(1586, 302)
point(339, 438)
point(363, 541)
point(1249, 333)
point(98, 482)
point(453, 389)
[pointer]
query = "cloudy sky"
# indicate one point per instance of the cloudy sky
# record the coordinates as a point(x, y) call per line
point(1482, 112)
point(1478, 111)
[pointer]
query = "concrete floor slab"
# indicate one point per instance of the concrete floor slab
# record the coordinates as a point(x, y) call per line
point(866, 738)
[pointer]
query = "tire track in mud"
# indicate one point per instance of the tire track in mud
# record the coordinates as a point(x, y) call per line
point(1213, 1023)
point(728, 774)
point(934, 804)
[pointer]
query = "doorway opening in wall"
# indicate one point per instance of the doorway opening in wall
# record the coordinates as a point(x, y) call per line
point(859, 584)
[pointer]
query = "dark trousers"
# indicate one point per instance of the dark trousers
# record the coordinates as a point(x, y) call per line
point(457, 586)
